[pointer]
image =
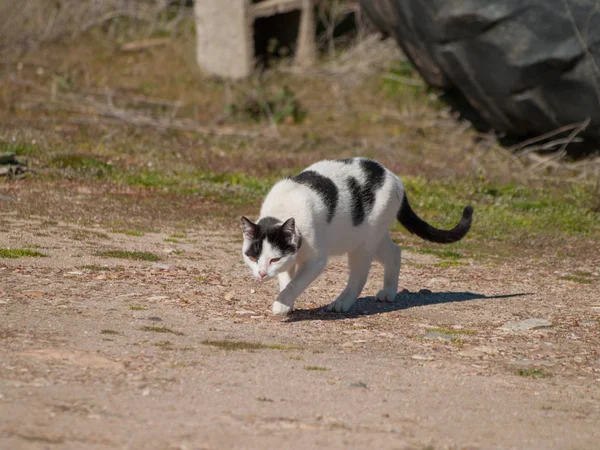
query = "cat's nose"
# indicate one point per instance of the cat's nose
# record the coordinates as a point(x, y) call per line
point(262, 274)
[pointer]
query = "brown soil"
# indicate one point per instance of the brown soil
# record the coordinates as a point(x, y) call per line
point(100, 352)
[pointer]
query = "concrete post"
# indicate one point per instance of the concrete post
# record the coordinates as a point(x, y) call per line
point(224, 43)
point(306, 51)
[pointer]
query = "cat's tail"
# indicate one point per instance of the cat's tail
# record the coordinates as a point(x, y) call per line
point(413, 223)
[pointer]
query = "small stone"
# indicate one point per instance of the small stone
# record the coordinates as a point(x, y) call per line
point(101, 277)
point(525, 325)
point(425, 292)
point(146, 392)
point(229, 295)
point(471, 353)
point(75, 272)
point(422, 357)
point(487, 350)
point(252, 291)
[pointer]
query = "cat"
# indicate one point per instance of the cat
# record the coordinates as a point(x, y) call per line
point(331, 208)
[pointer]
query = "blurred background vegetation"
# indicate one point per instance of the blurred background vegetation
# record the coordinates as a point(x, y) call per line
point(113, 124)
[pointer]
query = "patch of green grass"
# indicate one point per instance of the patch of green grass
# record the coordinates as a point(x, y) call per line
point(451, 331)
point(316, 368)
point(160, 330)
point(20, 253)
point(137, 308)
point(164, 345)
point(150, 179)
point(137, 233)
point(94, 268)
point(532, 373)
point(81, 165)
point(173, 240)
point(504, 213)
point(577, 279)
point(178, 236)
point(451, 263)
point(126, 254)
point(445, 253)
point(235, 345)
point(19, 148)
point(200, 279)
point(244, 345)
point(109, 332)
point(283, 347)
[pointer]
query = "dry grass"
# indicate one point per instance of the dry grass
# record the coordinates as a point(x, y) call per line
point(28, 23)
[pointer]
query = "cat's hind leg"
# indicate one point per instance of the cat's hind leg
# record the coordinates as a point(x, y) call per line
point(389, 254)
point(359, 262)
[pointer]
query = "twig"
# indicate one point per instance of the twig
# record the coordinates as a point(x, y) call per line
point(403, 80)
point(562, 151)
point(542, 137)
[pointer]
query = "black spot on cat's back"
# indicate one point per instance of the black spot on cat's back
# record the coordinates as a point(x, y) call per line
point(374, 179)
point(323, 186)
point(363, 197)
point(358, 211)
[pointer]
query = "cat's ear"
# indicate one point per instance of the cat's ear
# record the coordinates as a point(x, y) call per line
point(289, 226)
point(249, 228)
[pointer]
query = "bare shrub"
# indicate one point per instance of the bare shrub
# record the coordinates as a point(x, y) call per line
point(27, 23)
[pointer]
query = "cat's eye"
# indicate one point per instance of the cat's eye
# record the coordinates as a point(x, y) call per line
point(274, 260)
point(252, 258)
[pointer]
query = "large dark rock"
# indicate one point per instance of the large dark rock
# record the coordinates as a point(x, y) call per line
point(527, 67)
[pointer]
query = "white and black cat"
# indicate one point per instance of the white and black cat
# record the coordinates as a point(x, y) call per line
point(331, 208)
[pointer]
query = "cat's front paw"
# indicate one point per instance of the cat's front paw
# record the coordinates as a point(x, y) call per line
point(280, 309)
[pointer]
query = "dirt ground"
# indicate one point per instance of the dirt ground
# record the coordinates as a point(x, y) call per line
point(98, 352)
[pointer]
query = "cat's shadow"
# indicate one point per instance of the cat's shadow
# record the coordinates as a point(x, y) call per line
point(369, 306)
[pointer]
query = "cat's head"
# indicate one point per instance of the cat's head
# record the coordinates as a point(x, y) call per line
point(270, 247)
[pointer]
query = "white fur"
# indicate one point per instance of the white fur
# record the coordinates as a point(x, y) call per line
point(363, 243)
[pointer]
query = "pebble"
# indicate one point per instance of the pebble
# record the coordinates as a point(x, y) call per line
point(74, 272)
point(525, 325)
